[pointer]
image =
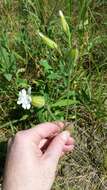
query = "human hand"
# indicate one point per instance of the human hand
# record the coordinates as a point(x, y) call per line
point(33, 156)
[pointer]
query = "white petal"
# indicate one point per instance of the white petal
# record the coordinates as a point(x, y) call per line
point(18, 102)
point(23, 92)
point(24, 106)
point(25, 98)
point(28, 106)
point(20, 93)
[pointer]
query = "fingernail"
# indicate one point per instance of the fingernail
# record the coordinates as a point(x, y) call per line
point(65, 135)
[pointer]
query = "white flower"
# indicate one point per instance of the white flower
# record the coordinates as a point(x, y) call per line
point(25, 98)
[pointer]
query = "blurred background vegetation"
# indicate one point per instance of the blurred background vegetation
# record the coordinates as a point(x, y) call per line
point(26, 61)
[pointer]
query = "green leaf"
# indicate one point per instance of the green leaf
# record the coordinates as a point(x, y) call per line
point(8, 76)
point(46, 65)
point(53, 76)
point(64, 102)
point(19, 57)
point(22, 83)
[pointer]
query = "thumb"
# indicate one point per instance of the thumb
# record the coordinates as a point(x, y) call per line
point(55, 148)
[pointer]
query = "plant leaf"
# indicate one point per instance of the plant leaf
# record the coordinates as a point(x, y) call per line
point(8, 76)
point(64, 102)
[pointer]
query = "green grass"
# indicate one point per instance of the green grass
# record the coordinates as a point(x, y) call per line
point(75, 88)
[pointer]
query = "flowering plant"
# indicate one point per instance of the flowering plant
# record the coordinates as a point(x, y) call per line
point(26, 99)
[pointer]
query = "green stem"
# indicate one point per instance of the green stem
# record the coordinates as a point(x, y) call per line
point(69, 40)
point(50, 112)
point(75, 106)
point(69, 7)
point(9, 124)
point(68, 89)
point(69, 78)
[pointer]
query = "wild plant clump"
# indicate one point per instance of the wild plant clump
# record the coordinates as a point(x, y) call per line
point(53, 67)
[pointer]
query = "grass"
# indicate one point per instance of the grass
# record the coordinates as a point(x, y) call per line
point(73, 82)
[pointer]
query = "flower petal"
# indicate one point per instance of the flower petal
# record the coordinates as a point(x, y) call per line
point(28, 106)
point(25, 98)
point(24, 106)
point(18, 102)
point(23, 92)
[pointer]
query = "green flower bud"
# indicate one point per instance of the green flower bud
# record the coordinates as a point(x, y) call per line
point(48, 41)
point(38, 101)
point(64, 23)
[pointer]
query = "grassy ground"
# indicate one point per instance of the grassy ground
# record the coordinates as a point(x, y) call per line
point(73, 80)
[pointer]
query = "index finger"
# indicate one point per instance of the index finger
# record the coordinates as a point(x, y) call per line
point(44, 130)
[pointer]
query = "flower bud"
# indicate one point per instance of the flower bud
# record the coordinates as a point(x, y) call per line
point(38, 101)
point(64, 23)
point(48, 41)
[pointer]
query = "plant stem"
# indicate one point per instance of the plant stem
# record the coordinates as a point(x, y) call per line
point(50, 112)
point(68, 89)
point(69, 80)
point(69, 7)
